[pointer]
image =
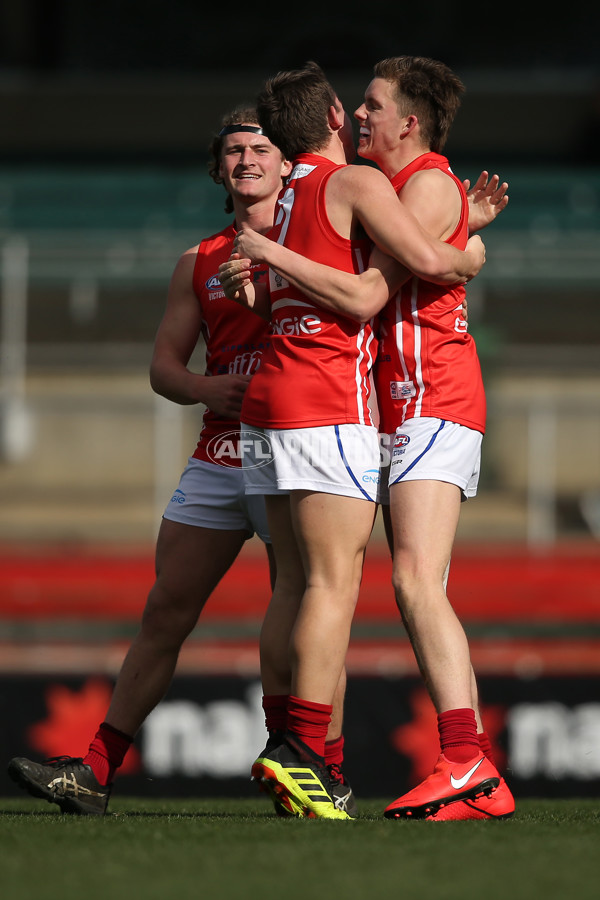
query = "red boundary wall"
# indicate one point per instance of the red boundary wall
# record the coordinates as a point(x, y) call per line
point(486, 584)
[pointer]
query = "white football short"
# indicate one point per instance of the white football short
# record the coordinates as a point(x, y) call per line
point(211, 496)
point(331, 459)
point(428, 449)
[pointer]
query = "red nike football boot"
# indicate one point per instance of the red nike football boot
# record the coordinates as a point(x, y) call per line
point(499, 805)
point(449, 782)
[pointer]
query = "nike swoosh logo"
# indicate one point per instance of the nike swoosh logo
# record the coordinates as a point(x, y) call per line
point(458, 783)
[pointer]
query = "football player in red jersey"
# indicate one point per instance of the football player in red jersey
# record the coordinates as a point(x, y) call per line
point(311, 388)
point(431, 399)
point(209, 517)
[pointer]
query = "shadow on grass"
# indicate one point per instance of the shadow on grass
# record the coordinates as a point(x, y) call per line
point(113, 816)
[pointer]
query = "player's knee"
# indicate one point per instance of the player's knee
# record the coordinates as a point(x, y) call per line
point(168, 618)
point(404, 581)
point(416, 584)
point(419, 569)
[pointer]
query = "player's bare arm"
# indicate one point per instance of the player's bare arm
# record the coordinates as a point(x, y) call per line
point(398, 233)
point(175, 341)
point(358, 296)
point(487, 199)
point(434, 200)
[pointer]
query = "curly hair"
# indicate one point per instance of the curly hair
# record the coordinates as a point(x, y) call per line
point(427, 89)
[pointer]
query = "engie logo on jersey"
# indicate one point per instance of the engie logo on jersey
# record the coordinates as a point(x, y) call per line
point(231, 449)
point(297, 325)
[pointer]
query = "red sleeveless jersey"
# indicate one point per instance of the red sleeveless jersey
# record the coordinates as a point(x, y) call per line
point(427, 363)
point(235, 341)
point(316, 369)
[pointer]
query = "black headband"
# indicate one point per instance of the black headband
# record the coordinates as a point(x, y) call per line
point(231, 129)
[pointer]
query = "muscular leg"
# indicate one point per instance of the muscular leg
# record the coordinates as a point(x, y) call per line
point(474, 693)
point(332, 533)
point(190, 562)
point(287, 593)
point(281, 614)
point(424, 517)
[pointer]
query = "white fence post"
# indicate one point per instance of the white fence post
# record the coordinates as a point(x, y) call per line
point(541, 481)
point(16, 432)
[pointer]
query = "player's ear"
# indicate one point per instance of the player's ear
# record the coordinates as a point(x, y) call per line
point(409, 124)
point(286, 168)
point(335, 116)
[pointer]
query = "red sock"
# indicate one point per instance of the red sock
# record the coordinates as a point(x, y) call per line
point(334, 751)
point(310, 722)
point(106, 752)
point(458, 734)
point(485, 745)
point(275, 707)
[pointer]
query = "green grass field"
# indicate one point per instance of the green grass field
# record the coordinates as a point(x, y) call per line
point(237, 848)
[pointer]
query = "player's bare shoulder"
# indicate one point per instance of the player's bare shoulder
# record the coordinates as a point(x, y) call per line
point(183, 273)
point(188, 258)
point(358, 178)
point(435, 200)
point(354, 185)
point(430, 183)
